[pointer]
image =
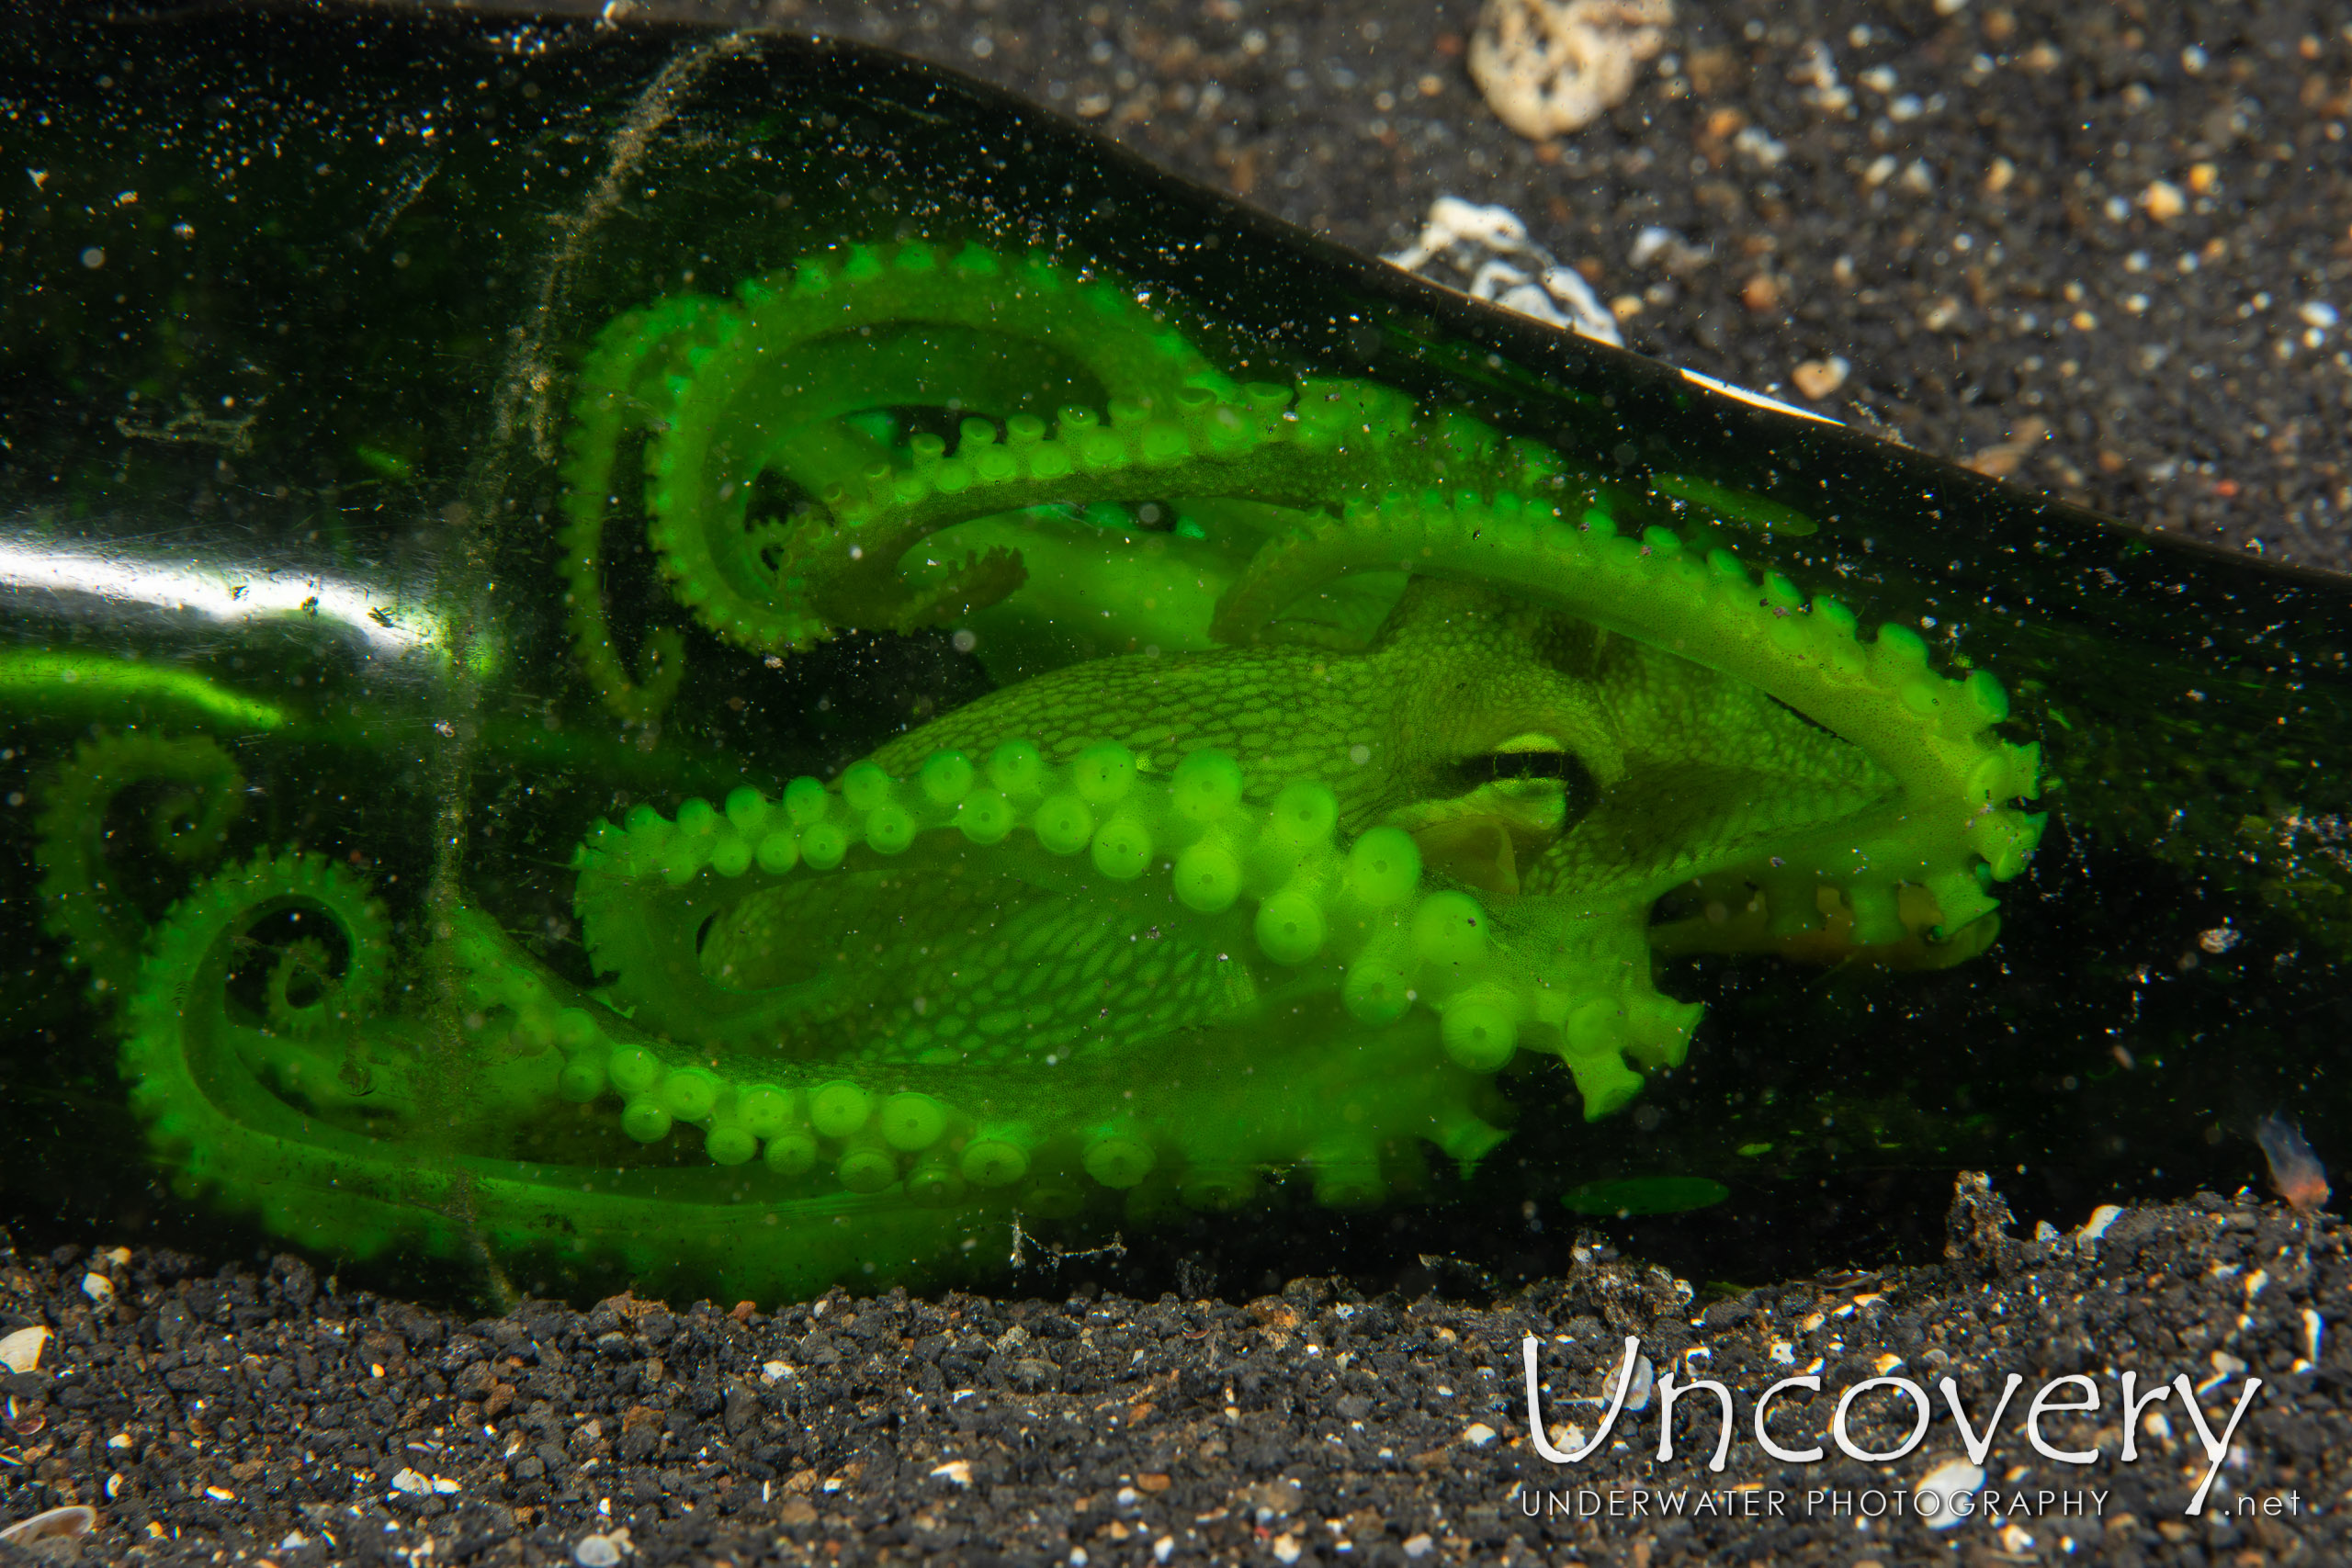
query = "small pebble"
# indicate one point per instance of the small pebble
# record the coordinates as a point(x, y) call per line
point(1941, 1487)
point(1642, 1385)
point(596, 1551)
point(1817, 378)
point(20, 1351)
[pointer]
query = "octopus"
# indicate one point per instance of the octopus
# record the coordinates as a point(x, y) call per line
point(1349, 750)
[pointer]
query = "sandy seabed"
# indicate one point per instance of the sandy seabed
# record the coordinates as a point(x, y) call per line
point(244, 1414)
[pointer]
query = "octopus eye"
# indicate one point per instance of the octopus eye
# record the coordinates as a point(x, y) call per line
point(1496, 765)
point(1505, 805)
point(1531, 761)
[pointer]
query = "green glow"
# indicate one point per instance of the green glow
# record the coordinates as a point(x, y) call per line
point(43, 680)
point(1646, 1195)
point(1736, 505)
point(1245, 873)
point(381, 460)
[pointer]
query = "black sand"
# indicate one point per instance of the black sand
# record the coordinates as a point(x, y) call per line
point(266, 1415)
point(215, 1414)
point(1983, 254)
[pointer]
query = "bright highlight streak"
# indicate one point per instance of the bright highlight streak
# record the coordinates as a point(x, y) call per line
point(1758, 400)
point(226, 593)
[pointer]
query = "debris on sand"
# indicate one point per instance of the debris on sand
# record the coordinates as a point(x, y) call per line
point(1946, 1485)
point(2001, 459)
point(2295, 1171)
point(20, 1351)
point(1551, 66)
point(1487, 253)
point(68, 1523)
point(1817, 378)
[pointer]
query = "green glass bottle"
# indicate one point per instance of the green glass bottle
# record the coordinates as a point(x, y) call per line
point(732, 661)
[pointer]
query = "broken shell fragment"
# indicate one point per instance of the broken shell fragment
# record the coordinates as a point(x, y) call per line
point(20, 1351)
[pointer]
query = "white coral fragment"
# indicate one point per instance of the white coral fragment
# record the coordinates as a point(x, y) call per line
point(1491, 256)
point(1551, 66)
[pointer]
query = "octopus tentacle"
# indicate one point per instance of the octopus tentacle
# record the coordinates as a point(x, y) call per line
point(82, 898)
point(1070, 394)
point(1296, 450)
point(1355, 923)
point(909, 1159)
point(727, 394)
point(269, 1126)
point(303, 996)
point(227, 1102)
point(626, 384)
point(207, 936)
point(1955, 830)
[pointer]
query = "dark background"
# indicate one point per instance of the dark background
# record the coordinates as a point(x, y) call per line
point(1970, 233)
